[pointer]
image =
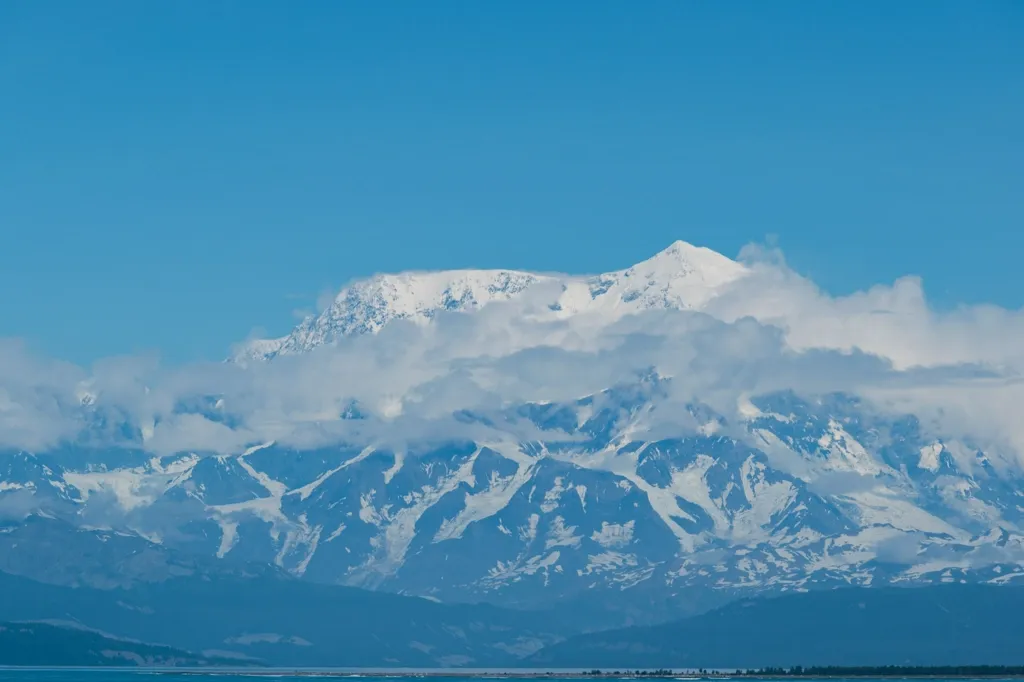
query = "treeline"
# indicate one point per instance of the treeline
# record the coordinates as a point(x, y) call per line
point(661, 672)
point(829, 671)
point(890, 671)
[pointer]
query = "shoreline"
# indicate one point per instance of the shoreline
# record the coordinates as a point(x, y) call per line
point(571, 675)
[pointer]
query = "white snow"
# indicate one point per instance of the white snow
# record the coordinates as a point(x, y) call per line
point(846, 453)
point(264, 508)
point(368, 305)
point(691, 485)
point(608, 561)
point(507, 572)
point(128, 486)
point(307, 490)
point(395, 467)
point(399, 527)
point(581, 491)
point(228, 537)
point(493, 498)
point(930, 457)
point(614, 534)
point(747, 409)
point(367, 512)
point(553, 495)
point(275, 488)
point(528, 533)
point(664, 501)
point(561, 535)
point(301, 535)
point(257, 448)
point(682, 277)
point(1004, 579)
point(336, 532)
point(766, 500)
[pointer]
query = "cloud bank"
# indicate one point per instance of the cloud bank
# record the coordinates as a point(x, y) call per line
point(959, 371)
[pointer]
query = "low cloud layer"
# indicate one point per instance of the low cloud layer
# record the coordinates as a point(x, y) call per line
point(960, 371)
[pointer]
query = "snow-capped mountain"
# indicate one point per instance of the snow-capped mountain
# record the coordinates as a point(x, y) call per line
point(628, 495)
point(802, 493)
point(682, 277)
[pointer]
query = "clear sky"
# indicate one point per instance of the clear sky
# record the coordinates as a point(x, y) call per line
point(176, 173)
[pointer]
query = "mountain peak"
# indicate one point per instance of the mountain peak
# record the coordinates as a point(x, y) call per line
point(683, 258)
point(681, 249)
point(681, 277)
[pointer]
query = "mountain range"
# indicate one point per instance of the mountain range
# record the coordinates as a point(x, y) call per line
point(646, 499)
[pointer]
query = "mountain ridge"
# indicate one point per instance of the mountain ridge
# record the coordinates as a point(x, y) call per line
point(682, 276)
point(274, 620)
point(946, 625)
point(49, 644)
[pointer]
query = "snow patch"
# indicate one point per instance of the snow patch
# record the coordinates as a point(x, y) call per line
point(930, 457)
point(561, 535)
point(305, 491)
point(614, 534)
point(492, 499)
point(581, 491)
point(552, 496)
point(508, 572)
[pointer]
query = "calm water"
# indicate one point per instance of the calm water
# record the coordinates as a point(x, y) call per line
point(135, 675)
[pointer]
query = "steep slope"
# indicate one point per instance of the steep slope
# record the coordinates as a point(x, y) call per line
point(289, 622)
point(48, 644)
point(936, 626)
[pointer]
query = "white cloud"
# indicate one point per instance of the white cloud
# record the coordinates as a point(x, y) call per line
point(770, 330)
point(37, 398)
point(894, 322)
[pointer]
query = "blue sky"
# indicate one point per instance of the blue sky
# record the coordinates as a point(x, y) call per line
point(174, 174)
